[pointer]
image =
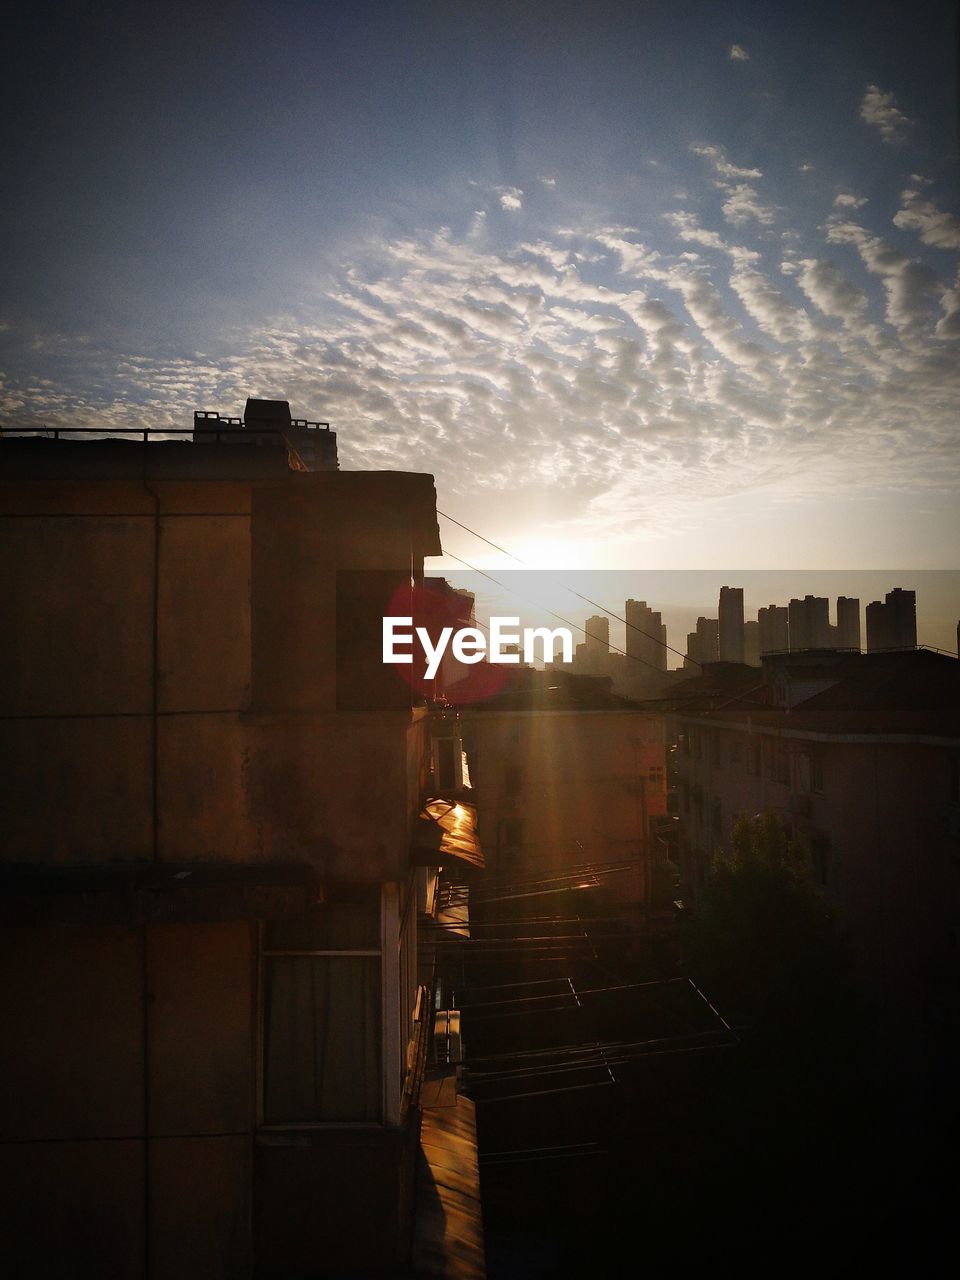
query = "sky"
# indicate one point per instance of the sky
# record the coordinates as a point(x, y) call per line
point(644, 285)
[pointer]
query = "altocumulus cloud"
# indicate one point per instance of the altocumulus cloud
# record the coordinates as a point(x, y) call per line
point(642, 367)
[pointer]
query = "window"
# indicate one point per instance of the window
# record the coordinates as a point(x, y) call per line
point(716, 818)
point(322, 1047)
point(736, 751)
point(753, 759)
point(716, 743)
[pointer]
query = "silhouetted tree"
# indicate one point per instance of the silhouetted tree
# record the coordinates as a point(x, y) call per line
point(764, 940)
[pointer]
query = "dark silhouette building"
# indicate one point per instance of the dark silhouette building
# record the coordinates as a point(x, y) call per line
point(848, 623)
point(731, 624)
point(211, 858)
point(809, 621)
point(892, 622)
point(646, 635)
point(774, 629)
point(703, 644)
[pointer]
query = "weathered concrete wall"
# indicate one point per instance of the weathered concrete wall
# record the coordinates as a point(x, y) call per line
point(123, 1033)
point(253, 760)
point(578, 783)
point(77, 595)
point(76, 792)
point(204, 613)
point(74, 1209)
point(72, 1004)
point(200, 997)
point(331, 1196)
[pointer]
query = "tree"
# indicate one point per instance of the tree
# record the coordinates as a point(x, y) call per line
point(764, 941)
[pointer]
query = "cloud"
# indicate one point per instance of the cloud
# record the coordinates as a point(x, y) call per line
point(936, 227)
point(830, 291)
point(743, 205)
point(908, 284)
point(881, 110)
point(547, 182)
point(847, 201)
point(606, 362)
point(769, 308)
point(738, 53)
point(687, 229)
point(722, 166)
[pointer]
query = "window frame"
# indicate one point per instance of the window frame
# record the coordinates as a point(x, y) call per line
point(390, 1086)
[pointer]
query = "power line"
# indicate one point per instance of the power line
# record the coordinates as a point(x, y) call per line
point(586, 599)
point(559, 617)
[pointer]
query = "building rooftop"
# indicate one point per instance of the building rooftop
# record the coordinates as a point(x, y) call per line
point(912, 691)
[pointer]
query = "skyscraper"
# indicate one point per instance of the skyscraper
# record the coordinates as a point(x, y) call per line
point(892, 623)
point(774, 629)
point(646, 635)
point(848, 623)
point(731, 624)
point(751, 643)
point(703, 645)
point(809, 623)
point(597, 631)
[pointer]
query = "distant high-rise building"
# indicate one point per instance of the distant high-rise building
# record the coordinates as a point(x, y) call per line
point(774, 629)
point(646, 635)
point(703, 645)
point(751, 643)
point(904, 606)
point(731, 624)
point(848, 623)
point(597, 631)
point(892, 623)
point(809, 621)
point(879, 634)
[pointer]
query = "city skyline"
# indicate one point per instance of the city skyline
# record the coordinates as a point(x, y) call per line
point(649, 285)
point(542, 597)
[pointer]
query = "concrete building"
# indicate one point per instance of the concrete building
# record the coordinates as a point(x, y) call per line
point(211, 856)
point(731, 624)
point(809, 622)
point(774, 629)
point(703, 645)
point(568, 775)
point(646, 635)
point(892, 622)
point(848, 623)
point(751, 643)
point(597, 634)
point(858, 755)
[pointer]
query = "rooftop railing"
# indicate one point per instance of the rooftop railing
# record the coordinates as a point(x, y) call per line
point(205, 423)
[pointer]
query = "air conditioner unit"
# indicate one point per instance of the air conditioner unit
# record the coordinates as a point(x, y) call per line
point(447, 1044)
